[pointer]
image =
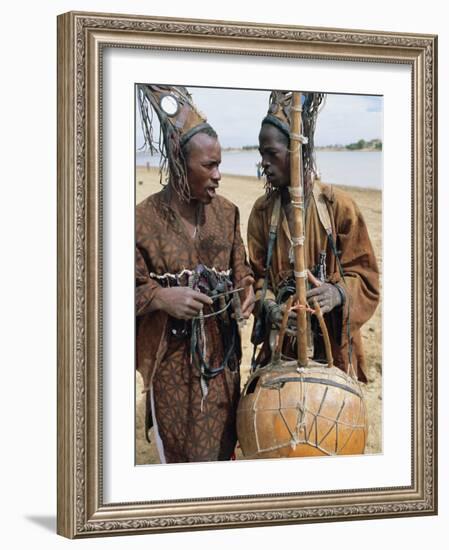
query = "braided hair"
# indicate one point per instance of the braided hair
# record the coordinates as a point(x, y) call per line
point(172, 146)
point(310, 109)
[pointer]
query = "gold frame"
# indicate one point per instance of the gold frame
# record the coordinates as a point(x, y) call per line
point(81, 37)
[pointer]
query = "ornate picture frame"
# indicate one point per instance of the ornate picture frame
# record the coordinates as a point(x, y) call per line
point(82, 509)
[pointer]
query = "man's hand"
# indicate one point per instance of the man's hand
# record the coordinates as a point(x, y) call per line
point(276, 313)
point(181, 302)
point(250, 298)
point(327, 295)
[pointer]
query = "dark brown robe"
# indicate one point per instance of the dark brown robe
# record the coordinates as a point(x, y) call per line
point(361, 274)
point(188, 428)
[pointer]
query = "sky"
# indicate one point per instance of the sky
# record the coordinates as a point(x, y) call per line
point(236, 116)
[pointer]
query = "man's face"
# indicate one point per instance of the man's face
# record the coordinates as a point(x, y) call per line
point(273, 149)
point(203, 160)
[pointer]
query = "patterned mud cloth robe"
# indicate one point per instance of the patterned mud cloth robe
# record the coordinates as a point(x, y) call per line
point(357, 259)
point(187, 428)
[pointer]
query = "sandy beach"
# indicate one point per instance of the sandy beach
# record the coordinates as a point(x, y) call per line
point(243, 191)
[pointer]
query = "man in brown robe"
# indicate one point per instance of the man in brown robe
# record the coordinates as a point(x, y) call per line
point(189, 256)
point(337, 246)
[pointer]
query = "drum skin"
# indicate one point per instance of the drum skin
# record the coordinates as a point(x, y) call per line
point(286, 411)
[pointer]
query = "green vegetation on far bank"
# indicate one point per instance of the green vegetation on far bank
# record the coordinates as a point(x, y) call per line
point(374, 144)
point(360, 145)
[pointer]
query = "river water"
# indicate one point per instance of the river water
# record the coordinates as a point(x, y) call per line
point(353, 168)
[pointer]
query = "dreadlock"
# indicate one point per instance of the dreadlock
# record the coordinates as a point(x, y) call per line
point(172, 163)
point(310, 110)
point(172, 144)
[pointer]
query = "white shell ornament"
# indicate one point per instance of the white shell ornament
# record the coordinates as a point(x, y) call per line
point(169, 104)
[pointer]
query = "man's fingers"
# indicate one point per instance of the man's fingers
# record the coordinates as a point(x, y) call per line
point(277, 317)
point(249, 300)
point(325, 305)
point(188, 313)
point(316, 291)
point(248, 303)
point(248, 281)
point(247, 310)
point(192, 310)
point(202, 298)
point(246, 314)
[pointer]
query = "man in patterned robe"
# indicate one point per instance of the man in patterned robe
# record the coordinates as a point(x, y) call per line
point(187, 353)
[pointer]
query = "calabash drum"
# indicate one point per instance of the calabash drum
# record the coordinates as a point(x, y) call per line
point(286, 411)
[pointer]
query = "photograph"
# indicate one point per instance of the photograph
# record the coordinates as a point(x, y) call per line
point(222, 371)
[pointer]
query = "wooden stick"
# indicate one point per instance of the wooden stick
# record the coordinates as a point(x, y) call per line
point(317, 310)
point(297, 201)
point(283, 328)
point(324, 332)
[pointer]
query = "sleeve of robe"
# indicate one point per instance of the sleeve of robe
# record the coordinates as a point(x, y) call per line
point(239, 264)
point(146, 288)
point(358, 262)
point(150, 326)
point(257, 251)
point(361, 276)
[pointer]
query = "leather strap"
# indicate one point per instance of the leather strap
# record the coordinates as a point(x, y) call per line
point(321, 206)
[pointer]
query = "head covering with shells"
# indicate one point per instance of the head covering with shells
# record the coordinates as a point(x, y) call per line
point(279, 115)
point(179, 121)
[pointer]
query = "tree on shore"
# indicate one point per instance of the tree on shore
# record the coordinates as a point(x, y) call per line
point(362, 144)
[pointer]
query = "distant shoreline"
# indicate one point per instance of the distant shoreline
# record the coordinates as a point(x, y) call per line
point(325, 148)
point(333, 149)
point(144, 174)
point(361, 170)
